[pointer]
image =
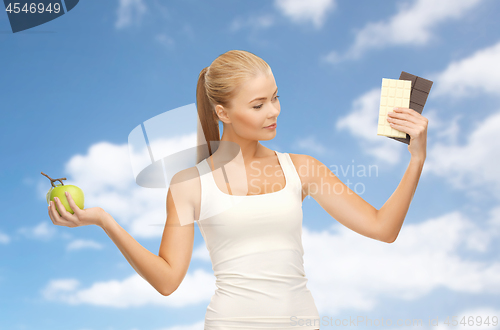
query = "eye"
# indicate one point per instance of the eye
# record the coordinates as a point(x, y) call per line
point(260, 105)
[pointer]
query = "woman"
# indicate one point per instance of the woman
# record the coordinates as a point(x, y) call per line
point(252, 227)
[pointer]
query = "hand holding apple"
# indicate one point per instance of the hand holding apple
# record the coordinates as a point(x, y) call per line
point(59, 190)
point(85, 217)
point(66, 206)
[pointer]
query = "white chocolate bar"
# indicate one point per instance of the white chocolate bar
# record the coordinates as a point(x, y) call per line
point(395, 93)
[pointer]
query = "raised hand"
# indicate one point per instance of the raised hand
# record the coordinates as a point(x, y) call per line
point(85, 217)
point(414, 124)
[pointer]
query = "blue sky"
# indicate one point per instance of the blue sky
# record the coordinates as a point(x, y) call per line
point(72, 90)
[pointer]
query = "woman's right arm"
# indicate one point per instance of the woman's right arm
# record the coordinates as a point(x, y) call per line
point(164, 274)
point(154, 269)
point(165, 271)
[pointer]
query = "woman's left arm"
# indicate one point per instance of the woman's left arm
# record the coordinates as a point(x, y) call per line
point(347, 207)
point(392, 214)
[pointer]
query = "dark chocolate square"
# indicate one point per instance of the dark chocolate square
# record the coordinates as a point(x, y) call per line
point(417, 107)
point(407, 76)
point(418, 97)
point(423, 85)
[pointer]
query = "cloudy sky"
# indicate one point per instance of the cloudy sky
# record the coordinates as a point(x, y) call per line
point(73, 89)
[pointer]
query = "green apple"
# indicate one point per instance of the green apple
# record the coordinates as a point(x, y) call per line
point(75, 192)
point(48, 193)
point(58, 190)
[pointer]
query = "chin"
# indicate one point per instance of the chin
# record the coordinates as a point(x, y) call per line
point(268, 137)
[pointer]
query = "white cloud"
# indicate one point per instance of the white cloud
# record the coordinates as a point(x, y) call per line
point(4, 238)
point(197, 287)
point(362, 121)
point(412, 25)
point(80, 244)
point(472, 166)
point(188, 30)
point(310, 143)
point(358, 272)
point(445, 129)
point(43, 231)
point(128, 12)
point(58, 286)
point(255, 21)
point(194, 326)
point(201, 253)
point(299, 11)
point(164, 39)
point(478, 73)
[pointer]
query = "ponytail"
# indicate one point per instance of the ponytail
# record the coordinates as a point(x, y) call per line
point(208, 125)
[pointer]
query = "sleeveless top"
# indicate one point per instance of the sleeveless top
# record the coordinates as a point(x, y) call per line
point(255, 246)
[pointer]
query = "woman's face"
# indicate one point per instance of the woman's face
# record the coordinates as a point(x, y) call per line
point(254, 107)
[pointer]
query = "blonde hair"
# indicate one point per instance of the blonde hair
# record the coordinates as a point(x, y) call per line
point(218, 84)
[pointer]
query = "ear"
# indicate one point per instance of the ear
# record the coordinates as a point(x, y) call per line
point(222, 114)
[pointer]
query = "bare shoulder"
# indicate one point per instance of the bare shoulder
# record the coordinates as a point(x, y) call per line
point(298, 158)
point(301, 163)
point(302, 160)
point(186, 175)
point(188, 182)
point(308, 168)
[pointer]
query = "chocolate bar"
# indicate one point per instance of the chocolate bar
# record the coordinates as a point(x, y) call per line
point(420, 89)
point(394, 93)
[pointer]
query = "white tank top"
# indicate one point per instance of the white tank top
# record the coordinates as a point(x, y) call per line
point(257, 256)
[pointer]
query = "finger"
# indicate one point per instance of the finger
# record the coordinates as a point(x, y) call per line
point(405, 119)
point(401, 122)
point(50, 213)
point(72, 203)
point(408, 111)
point(54, 215)
point(62, 210)
point(406, 114)
point(411, 112)
point(56, 218)
point(402, 126)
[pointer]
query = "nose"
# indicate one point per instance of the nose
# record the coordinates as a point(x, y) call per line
point(275, 109)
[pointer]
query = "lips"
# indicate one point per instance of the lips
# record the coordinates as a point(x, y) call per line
point(271, 125)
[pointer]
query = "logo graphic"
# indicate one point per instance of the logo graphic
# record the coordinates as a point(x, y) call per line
point(24, 15)
point(168, 143)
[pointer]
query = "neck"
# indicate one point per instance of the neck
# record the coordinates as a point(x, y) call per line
point(232, 145)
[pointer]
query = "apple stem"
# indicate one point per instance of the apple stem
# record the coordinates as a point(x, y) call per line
point(54, 180)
